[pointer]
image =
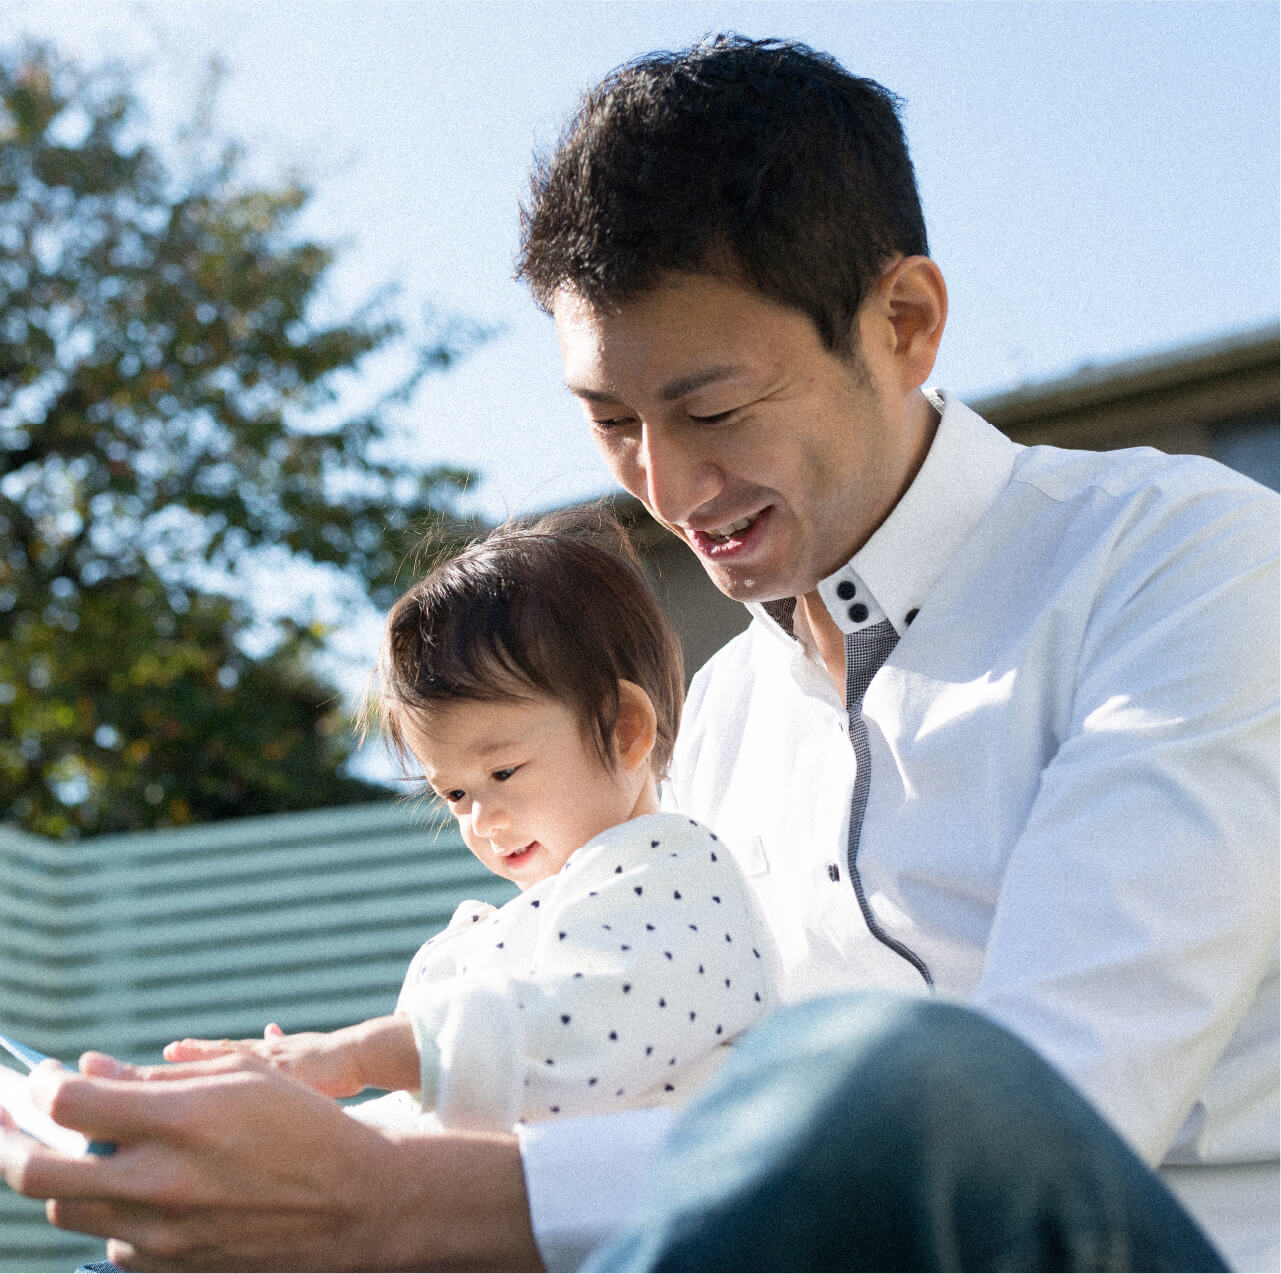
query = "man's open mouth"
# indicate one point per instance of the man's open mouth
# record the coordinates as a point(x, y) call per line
point(730, 537)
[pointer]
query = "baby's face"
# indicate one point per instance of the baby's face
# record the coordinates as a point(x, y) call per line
point(525, 783)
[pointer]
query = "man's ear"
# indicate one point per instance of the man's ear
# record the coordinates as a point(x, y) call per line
point(909, 308)
point(636, 728)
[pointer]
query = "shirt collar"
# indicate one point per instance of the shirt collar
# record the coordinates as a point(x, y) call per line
point(968, 464)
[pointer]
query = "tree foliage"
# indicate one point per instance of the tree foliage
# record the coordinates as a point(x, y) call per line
point(163, 375)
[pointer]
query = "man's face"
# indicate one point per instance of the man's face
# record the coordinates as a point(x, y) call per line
point(722, 411)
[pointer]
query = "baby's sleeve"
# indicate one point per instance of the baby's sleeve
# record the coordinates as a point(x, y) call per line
point(646, 959)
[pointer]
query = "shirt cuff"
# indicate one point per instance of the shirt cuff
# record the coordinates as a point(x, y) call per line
point(584, 1177)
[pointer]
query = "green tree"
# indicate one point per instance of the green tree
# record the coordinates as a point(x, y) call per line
point(163, 377)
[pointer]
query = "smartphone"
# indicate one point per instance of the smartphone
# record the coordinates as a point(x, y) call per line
point(15, 1099)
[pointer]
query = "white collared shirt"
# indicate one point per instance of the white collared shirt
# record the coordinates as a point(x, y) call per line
point(1072, 818)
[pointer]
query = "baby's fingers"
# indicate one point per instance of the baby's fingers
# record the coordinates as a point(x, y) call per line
point(190, 1050)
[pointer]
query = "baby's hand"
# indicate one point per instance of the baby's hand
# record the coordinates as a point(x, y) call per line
point(327, 1062)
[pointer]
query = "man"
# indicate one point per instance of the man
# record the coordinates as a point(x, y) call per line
point(1044, 791)
point(981, 737)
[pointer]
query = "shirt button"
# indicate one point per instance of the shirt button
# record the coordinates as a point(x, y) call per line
point(912, 614)
point(845, 590)
point(833, 872)
point(858, 612)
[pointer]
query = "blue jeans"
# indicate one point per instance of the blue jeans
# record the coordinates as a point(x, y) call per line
point(882, 1132)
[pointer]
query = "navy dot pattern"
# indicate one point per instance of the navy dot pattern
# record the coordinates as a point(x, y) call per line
point(626, 975)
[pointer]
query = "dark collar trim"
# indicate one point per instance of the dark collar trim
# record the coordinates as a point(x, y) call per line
point(781, 612)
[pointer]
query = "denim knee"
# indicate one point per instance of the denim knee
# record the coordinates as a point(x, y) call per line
point(881, 1131)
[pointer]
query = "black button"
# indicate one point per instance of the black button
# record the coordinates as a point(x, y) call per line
point(858, 612)
point(912, 614)
point(845, 590)
point(833, 872)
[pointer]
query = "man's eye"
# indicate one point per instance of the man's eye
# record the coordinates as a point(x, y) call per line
point(716, 418)
point(612, 424)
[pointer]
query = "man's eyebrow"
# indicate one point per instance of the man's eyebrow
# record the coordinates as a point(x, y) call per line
point(589, 395)
point(683, 385)
point(673, 390)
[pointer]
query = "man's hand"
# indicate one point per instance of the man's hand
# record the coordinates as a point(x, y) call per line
point(228, 1164)
point(375, 1054)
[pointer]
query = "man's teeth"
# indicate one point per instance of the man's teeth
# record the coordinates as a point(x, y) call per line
point(725, 532)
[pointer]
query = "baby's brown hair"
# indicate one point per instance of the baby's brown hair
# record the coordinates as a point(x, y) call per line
point(558, 606)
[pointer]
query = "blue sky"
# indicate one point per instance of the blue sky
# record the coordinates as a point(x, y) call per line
point(1100, 179)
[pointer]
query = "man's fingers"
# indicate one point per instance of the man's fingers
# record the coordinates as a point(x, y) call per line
point(150, 1246)
point(102, 1109)
point(16, 1150)
point(100, 1066)
point(31, 1168)
point(126, 1256)
point(88, 1216)
point(123, 1110)
point(190, 1050)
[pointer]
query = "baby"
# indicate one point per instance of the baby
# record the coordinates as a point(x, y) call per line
point(535, 683)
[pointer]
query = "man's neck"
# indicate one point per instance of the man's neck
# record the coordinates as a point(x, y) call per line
point(817, 631)
point(811, 623)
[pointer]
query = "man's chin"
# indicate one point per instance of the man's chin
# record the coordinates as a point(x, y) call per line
point(744, 587)
point(740, 583)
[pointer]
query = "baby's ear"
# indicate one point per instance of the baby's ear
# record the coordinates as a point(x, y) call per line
point(636, 728)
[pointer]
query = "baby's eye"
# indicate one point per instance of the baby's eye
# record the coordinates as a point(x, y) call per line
point(453, 796)
point(501, 776)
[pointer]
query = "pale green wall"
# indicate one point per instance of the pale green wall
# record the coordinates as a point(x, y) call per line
point(123, 943)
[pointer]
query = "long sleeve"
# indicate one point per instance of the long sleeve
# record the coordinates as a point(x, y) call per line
point(611, 985)
point(1136, 928)
point(583, 1177)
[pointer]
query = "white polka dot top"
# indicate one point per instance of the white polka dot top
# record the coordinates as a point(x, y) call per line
point(615, 983)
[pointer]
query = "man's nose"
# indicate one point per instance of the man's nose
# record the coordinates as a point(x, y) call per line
point(675, 476)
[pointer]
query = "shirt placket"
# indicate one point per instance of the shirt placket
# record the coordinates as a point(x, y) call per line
point(866, 650)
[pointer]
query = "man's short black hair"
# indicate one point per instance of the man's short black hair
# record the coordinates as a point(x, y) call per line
point(761, 159)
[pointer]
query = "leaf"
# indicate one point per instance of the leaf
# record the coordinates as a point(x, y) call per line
point(163, 370)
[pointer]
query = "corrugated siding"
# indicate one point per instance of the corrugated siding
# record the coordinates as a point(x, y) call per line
point(123, 943)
